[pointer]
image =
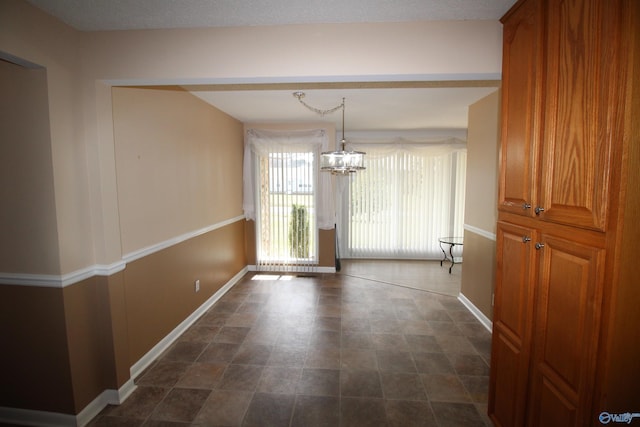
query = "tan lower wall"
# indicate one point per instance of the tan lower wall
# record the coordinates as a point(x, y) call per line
point(116, 330)
point(159, 288)
point(62, 347)
point(327, 248)
point(478, 271)
point(90, 313)
point(34, 359)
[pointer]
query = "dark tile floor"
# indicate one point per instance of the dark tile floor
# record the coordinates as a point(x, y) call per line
point(330, 350)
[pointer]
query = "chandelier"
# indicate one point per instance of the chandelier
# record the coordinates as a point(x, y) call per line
point(341, 162)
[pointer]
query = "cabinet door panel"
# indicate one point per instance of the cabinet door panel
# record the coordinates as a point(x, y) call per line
point(513, 311)
point(558, 410)
point(568, 301)
point(506, 381)
point(581, 67)
point(521, 71)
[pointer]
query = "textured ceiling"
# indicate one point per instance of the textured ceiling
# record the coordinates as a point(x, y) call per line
point(376, 109)
point(92, 15)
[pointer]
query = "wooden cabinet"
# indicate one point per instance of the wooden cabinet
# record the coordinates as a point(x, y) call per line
point(558, 73)
point(521, 103)
point(566, 327)
point(511, 324)
point(567, 315)
point(579, 103)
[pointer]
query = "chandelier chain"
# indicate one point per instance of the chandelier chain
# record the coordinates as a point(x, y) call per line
point(323, 113)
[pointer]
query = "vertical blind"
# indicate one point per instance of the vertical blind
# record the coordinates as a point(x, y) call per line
point(287, 204)
point(408, 196)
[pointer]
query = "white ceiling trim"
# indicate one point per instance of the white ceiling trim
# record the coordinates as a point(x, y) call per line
point(395, 78)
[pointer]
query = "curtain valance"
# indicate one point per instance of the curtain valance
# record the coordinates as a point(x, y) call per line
point(261, 142)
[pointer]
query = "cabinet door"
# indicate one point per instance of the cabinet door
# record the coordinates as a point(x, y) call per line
point(512, 315)
point(568, 308)
point(521, 78)
point(580, 111)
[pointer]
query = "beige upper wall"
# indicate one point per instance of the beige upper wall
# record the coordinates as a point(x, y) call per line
point(481, 199)
point(178, 163)
point(29, 242)
point(483, 136)
point(82, 66)
point(31, 35)
point(298, 52)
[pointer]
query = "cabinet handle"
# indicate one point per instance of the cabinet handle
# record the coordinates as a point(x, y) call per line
point(539, 245)
point(526, 206)
point(526, 239)
point(538, 209)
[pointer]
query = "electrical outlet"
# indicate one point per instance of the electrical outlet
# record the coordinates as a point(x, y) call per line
point(197, 285)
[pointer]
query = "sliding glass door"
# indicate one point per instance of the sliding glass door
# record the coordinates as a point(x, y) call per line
point(408, 197)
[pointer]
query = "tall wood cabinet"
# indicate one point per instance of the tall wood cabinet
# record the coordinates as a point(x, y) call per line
point(566, 327)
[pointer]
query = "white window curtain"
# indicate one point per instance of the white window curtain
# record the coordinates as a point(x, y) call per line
point(409, 195)
point(286, 197)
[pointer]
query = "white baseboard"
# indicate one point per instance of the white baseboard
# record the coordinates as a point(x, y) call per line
point(107, 397)
point(27, 417)
point(484, 320)
point(164, 344)
point(295, 269)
